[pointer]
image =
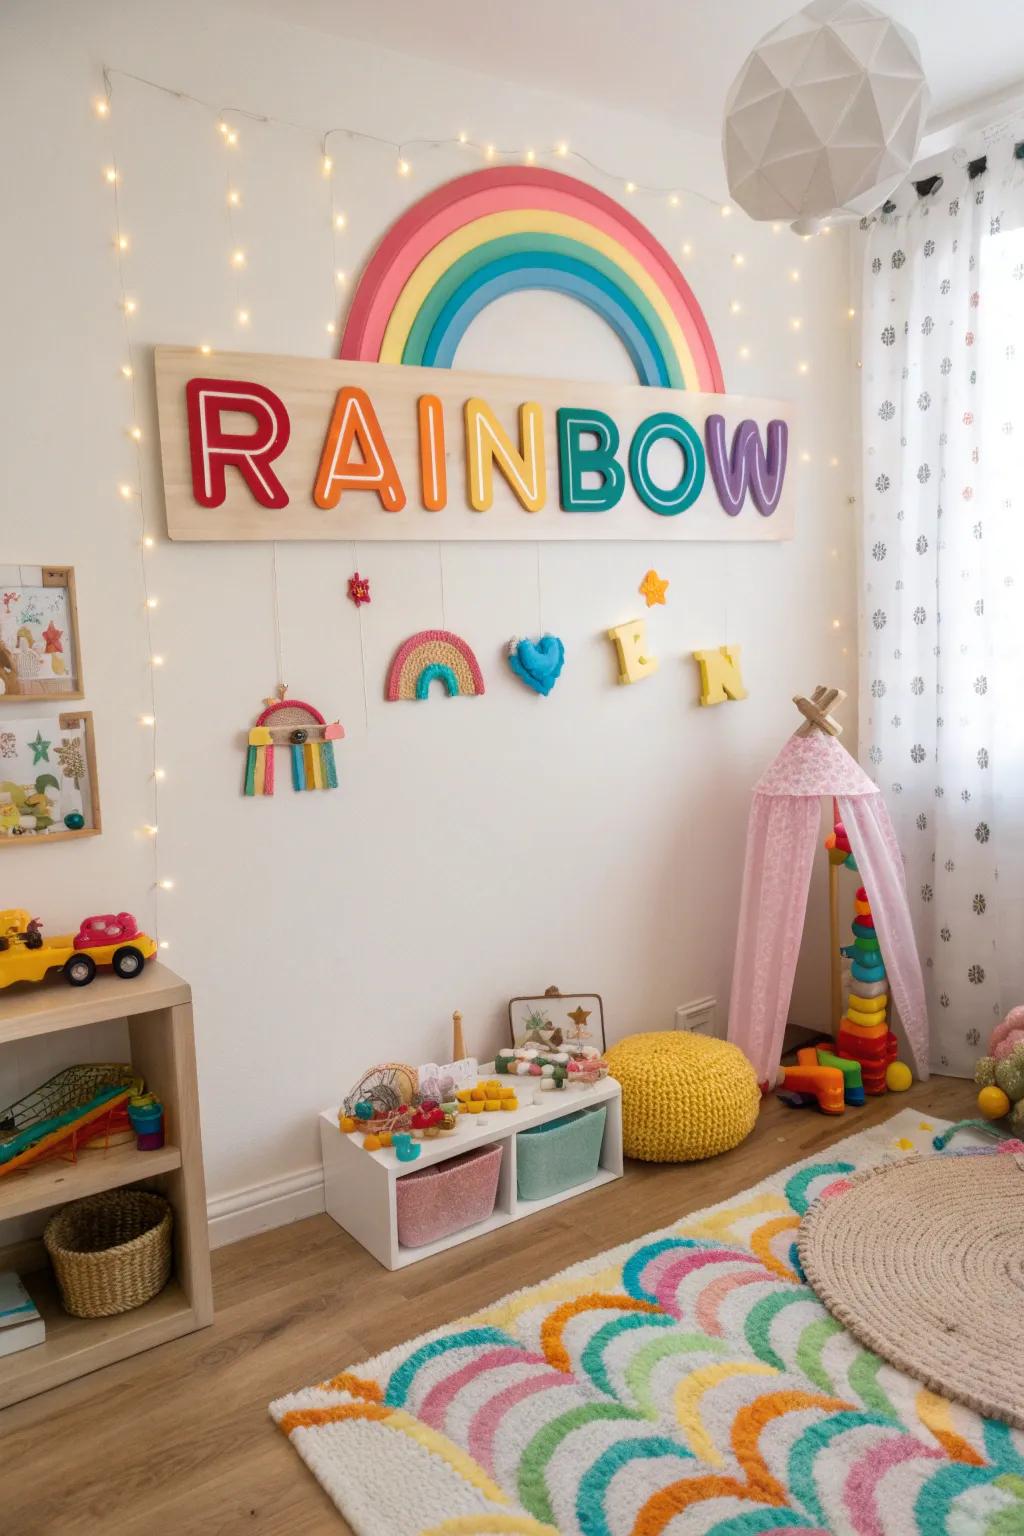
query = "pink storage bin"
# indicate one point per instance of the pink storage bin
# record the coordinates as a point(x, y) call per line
point(435, 1202)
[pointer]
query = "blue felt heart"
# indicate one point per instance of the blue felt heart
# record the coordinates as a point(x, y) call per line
point(537, 663)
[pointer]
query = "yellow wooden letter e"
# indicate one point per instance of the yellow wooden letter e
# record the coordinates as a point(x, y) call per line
point(720, 677)
point(631, 645)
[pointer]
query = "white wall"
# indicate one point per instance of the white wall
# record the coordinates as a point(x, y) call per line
point(475, 849)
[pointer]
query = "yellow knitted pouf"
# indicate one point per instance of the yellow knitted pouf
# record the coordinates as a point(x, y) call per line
point(684, 1096)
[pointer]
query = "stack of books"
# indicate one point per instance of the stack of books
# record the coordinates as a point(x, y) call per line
point(20, 1323)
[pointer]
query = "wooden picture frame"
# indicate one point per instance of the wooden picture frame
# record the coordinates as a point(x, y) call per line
point(15, 830)
point(557, 1033)
point(40, 651)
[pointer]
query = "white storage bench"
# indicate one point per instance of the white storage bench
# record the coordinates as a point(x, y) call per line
point(360, 1188)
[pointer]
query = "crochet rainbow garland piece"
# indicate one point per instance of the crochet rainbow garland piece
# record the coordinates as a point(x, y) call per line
point(686, 1384)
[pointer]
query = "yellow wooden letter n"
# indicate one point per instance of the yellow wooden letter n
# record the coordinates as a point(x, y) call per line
point(720, 677)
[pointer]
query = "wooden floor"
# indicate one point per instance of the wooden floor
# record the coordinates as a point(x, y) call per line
point(178, 1440)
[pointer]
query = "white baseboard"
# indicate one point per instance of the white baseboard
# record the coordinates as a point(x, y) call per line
point(275, 1203)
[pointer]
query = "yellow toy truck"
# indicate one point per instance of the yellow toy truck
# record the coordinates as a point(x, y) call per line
point(110, 939)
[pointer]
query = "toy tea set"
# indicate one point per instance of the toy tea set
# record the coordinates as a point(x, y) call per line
point(399, 1106)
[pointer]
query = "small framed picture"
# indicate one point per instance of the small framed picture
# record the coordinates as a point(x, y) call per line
point(563, 1021)
point(48, 788)
point(40, 656)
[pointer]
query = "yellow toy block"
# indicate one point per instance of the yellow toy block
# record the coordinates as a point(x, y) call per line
point(463, 1095)
point(475, 1106)
point(477, 1095)
point(509, 1101)
point(491, 1104)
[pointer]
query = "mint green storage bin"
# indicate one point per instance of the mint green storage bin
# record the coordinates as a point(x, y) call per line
point(559, 1155)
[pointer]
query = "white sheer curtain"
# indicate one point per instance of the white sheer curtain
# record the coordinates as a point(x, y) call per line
point(942, 628)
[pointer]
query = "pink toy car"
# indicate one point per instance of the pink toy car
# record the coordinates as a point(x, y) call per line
point(111, 928)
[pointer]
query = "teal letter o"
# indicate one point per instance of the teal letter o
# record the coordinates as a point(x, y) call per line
point(667, 502)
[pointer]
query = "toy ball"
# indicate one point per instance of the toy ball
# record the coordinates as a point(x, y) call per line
point(898, 1077)
point(74, 820)
point(371, 1143)
point(535, 1070)
point(547, 1070)
point(364, 1110)
point(993, 1103)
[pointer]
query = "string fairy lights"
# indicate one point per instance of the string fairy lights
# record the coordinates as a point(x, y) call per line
point(134, 491)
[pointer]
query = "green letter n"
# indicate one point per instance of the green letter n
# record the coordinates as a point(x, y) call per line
point(575, 461)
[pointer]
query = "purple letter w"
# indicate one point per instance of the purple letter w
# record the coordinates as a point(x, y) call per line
point(764, 472)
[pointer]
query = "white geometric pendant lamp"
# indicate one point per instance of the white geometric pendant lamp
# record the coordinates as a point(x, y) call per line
point(825, 117)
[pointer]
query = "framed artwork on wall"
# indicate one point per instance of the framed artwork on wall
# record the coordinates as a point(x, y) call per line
point(48, 788)
point(40, 656)
point(560, 1021)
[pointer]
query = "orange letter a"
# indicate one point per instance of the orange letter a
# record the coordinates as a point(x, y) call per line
point(354, 422)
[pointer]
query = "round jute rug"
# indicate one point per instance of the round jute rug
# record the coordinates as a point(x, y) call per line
point(923, 1262)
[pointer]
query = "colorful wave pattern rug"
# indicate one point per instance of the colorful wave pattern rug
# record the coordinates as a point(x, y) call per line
point(685, 1384)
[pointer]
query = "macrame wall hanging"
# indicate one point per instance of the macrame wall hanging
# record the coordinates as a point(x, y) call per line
point(310, 741)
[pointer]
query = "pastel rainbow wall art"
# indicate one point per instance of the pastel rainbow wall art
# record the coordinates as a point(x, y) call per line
point(434, 655)
point(512, 228)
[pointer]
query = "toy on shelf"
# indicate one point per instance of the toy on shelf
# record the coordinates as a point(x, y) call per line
point(557, 1021)
point(406, 1150)
point(556, 1069)
point(782, 834)
point(77, 1106)
point(146, 1115)
point(458, 1043)
point(487, 1095)
point(304, 731)
point(112, 939)
point(831, 1081)
point(386, 1105)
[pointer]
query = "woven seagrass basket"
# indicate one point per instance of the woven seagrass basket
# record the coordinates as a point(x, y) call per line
point(110, 1252)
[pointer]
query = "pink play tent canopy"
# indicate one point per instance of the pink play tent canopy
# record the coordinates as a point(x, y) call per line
point(782, 838)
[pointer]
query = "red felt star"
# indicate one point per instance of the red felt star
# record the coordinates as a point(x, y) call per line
point(52, 636)
point(359, 589)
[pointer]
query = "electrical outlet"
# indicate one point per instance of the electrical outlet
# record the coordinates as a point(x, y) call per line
point(699, 1017)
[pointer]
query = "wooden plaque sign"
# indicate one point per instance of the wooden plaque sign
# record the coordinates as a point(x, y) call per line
point(261, 447)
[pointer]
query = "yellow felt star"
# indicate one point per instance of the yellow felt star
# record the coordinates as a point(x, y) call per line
point(579, 1017)
point(652, 589)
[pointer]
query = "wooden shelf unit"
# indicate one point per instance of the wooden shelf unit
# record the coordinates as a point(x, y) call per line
point(359, 1186)
point(157, 1006)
